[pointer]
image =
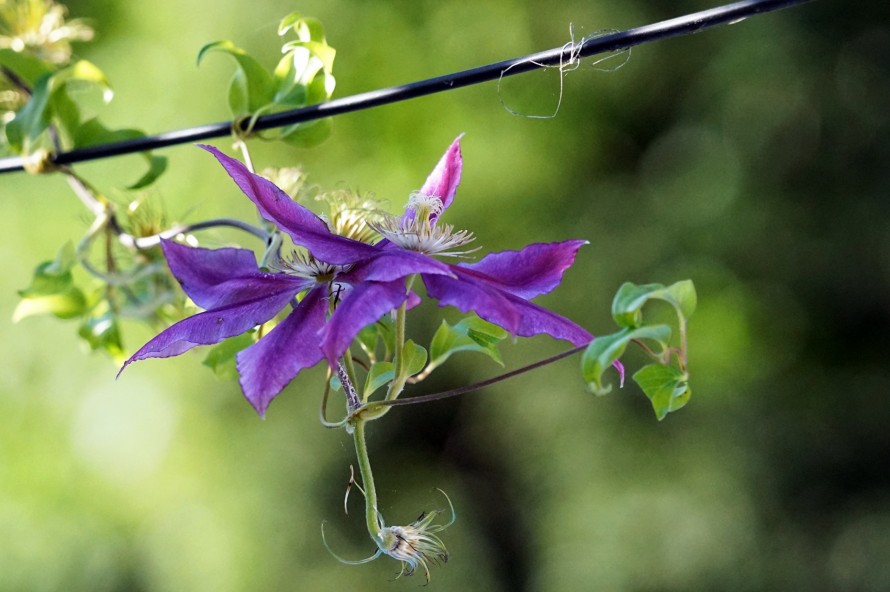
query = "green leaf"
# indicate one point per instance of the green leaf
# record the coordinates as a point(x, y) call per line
point(221, 357)
point(84, 71)
point(604, 350)
point(156, 167)
point(470, 334)
point(49, 99)
point(666, 387)
point(64, 305)
point(52, 289)
point(384, 330)
point(413, 358)
point(306, 135)
point(92, 132)
point(253, 87)
point(630, 298)
point(102, 332)
point(32, 119)
point(380, 374)
point(302, 54)
point(306, 28)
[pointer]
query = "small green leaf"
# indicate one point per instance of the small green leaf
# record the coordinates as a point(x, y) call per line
point(92, 132)
point(84, 71)
point(221, 357)
point(470, 334)
point(666, 387)
point(102, 332)
point(630, 298)
point(379, 374)
point(52, 289)
point(306, 135)
point(156, 167)
point(604, 350)
point(253, 87)
point(64, 305)
point(413, 358)
point(306, 28)
point(49, 99)
point(383, 330)
point(32, 119)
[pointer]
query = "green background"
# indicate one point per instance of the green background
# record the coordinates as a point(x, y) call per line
point(751, 158)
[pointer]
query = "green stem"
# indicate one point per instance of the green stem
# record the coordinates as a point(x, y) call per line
point(681, 326)
point(349, 364)
point(398, 383)
point(241, 145)
point(372, 515)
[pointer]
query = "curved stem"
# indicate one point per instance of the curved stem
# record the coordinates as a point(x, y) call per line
point(372, 515)
point(146, 242)
point(86, 193)
point(479, 385)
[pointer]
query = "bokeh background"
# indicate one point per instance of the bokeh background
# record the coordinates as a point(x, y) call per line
point(751, 158)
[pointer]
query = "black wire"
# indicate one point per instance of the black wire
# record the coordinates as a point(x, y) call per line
point(684, 25)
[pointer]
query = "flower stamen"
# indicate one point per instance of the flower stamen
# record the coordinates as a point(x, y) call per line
point(303, 264)
point(417, 229)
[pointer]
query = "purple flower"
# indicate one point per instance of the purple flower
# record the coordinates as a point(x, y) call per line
point(358, 281)
point(236, 296)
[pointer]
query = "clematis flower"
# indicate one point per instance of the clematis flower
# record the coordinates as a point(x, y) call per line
point(237, 296)
point(367, 281)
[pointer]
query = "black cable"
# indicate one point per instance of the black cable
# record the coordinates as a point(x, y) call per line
point(684, 25)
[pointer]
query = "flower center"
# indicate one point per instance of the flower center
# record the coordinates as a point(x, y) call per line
point(303, 264)
point(417, 229)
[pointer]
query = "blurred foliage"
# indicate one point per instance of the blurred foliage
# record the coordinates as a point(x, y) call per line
point(751, 158)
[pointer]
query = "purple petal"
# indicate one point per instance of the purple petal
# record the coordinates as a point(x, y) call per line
point(392, 264)
point(267, 366)
point(444, 179)
point(220, 277)
point(212, 326)
point(516, 315)
point(304, 227)
point(361, 306)
point(535, 270)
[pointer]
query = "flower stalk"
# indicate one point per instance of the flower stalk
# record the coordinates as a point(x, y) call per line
point(372, 514)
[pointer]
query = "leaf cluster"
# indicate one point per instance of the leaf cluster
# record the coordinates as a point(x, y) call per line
point(303, 76)
point(665, 381)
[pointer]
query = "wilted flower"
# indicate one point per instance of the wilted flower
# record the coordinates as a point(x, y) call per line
point(416, 544)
